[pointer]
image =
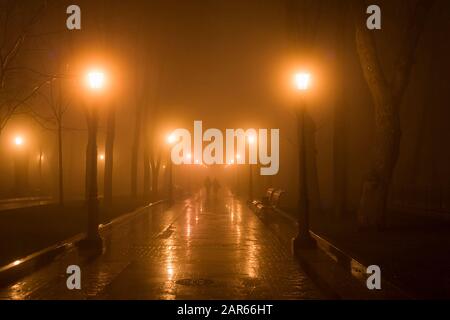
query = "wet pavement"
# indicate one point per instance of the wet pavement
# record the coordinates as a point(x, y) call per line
point(197, 249)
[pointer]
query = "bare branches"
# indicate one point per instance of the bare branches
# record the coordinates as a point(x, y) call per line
point(12, 53)
point(9, 104)
point(11, 109)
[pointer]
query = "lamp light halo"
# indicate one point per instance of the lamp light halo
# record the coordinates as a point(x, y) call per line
point(302, 80)
point(96, 79)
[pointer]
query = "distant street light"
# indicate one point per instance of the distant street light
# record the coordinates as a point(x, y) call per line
point(171, 139)
point(20, 166)
point(303, 239)
point(96, 84)
point(18, 141)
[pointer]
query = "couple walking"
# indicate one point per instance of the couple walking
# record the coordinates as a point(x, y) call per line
point(214, 185)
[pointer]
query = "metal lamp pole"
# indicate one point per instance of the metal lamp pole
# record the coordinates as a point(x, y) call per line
point(303, 240)
point(93, 240)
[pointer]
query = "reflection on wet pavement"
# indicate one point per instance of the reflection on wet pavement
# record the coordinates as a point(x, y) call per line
point(198, 249)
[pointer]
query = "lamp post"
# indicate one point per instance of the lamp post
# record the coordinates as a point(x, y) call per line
point(20, 167)
point(238, 189)
point(41, 158)
point(96, 83)
point(303, 240)
point(170, 140)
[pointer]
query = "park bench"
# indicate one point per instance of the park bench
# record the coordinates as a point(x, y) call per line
point(269, 203)
point(265, 199)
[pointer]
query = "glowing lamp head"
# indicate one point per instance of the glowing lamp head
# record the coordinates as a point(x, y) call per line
point(101, 157)
point(18, 141)
point(171, 139)
point(251, 139)
point(96, 79)
point(302, 81)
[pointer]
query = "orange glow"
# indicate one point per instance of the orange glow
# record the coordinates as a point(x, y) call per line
point(101, 157)
point(171, 139)
point(96, 79)
point(18, 140)
point(302, 81)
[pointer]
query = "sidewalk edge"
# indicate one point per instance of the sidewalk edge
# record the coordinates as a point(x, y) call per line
point(22, 267)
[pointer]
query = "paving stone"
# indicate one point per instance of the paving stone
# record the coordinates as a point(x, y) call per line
point(198, 249)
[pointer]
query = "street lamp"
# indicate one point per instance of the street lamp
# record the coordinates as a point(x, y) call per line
point(171, 139)
point(95, 80)
point(238, 159)
point(18, 141)
point(303, 240)
point(20, 166)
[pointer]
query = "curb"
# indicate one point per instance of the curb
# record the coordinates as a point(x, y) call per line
point(31, 263)
point(343, 276)
point(339, 274)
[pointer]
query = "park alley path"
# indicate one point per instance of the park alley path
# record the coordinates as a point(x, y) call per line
point(198, 249)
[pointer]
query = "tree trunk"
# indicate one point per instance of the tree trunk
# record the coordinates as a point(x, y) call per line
point(155, 166)
point(387, 99)
point(60, 165)
point(109, 155)
point(146, 171)
point(135, 151)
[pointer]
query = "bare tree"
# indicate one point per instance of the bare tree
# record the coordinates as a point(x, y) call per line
point(136, 136)
point(18, 82)
point(109, 154)
point(58, 103)
point(387, 97)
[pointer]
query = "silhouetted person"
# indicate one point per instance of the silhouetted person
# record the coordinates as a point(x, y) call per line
point(207, 186)
point(216, 187)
